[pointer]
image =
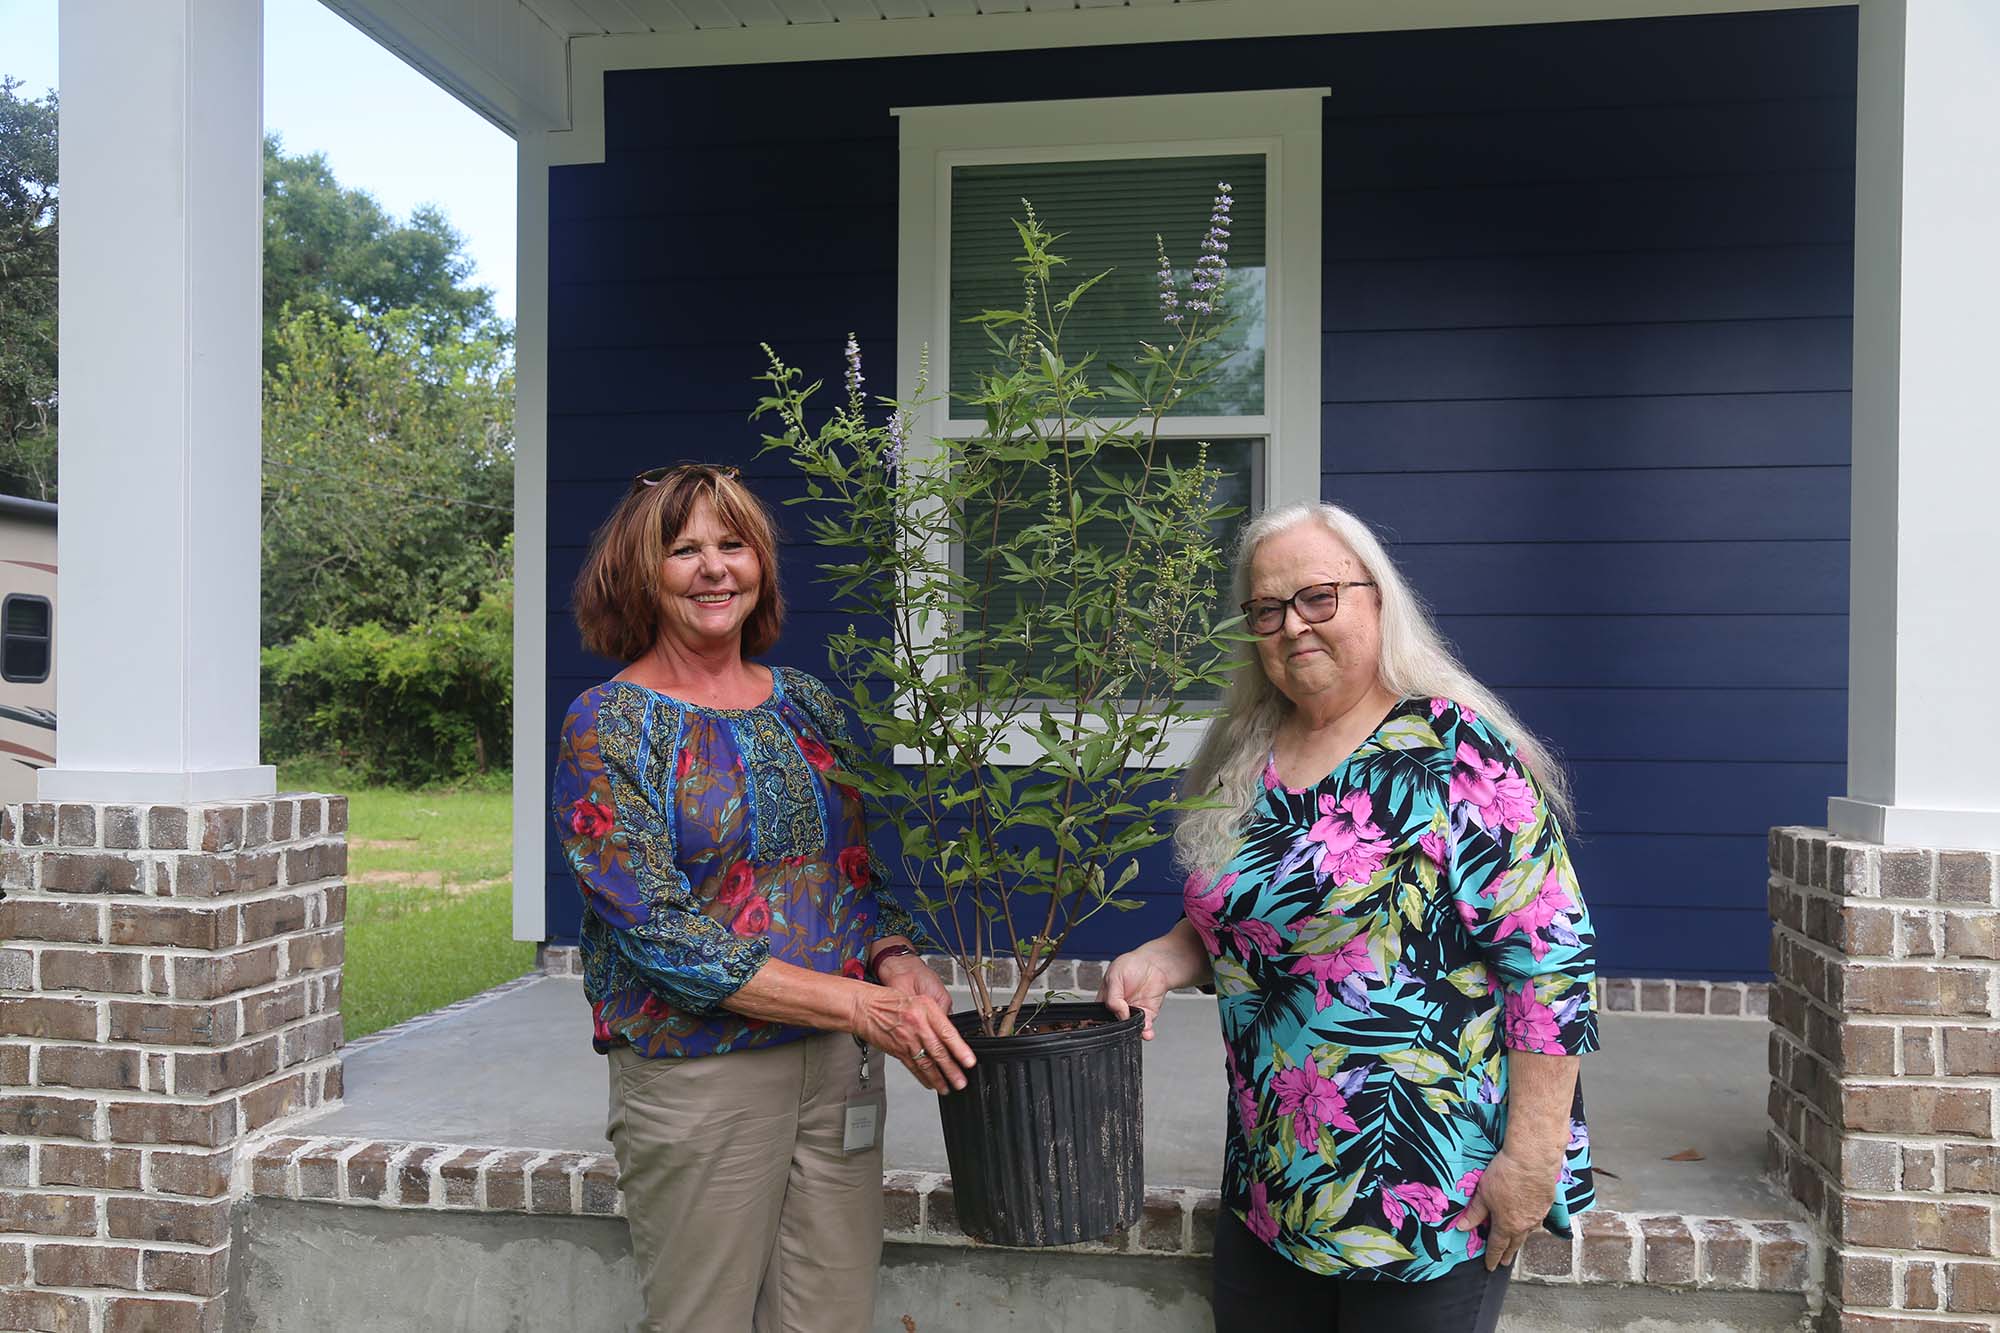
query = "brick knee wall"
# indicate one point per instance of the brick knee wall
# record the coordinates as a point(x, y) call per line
point(1885, 1049)
point(169, 984)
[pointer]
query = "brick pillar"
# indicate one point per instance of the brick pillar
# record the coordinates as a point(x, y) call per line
point(1884, 1053)
point(169, 984)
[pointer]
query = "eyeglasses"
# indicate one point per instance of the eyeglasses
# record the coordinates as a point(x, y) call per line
point(1315, 603)
point(655, 475)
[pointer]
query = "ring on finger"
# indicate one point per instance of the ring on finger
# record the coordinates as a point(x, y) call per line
point(923, 1054)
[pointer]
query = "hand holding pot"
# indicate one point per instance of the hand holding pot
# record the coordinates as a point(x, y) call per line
point(913, 976)
point(1141, 979)
point(916, 1030)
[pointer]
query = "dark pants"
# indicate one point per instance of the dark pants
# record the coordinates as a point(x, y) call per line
point(1258, 1290)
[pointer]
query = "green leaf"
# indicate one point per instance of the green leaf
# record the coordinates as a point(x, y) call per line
point(1316, 1261)
point(1369, 1247)
point(1230, 978)
point(1471, 980)
point(1334, 1201)
point(1293, 1213)
point(1529, 835)
point(1329, 1057)
point(1476, 1038)
point(1550, 989)
point(1427, 872)
point(1076, 292)
point(1411, 899)
point(1385, 944)
point(1418, 1066)
point(1408, 733)
point(1516, 888)
point(1327, 934)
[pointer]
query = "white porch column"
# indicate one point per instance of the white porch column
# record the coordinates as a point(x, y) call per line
point(531, 534)
point(1924, 647)
point(162, 196)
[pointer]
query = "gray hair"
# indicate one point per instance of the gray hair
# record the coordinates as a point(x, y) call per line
point(1229, 764)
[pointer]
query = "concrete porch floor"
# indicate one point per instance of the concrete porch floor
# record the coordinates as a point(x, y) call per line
point(517, 1069)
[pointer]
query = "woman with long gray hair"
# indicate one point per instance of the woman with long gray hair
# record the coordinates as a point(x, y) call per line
point(1381, 895)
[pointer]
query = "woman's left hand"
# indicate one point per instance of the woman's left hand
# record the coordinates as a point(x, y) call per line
point(913, 976)
point(1512, 1200)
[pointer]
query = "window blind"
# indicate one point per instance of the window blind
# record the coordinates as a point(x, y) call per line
point(1108, 213)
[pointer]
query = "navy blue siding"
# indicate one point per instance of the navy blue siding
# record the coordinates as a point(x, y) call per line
point(1587, 292)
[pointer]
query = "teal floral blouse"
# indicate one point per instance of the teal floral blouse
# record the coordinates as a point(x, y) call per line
point(1380, 942)
point(706, 841)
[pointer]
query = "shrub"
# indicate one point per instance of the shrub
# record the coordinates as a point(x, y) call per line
point(426, 705)
point(1036, 686)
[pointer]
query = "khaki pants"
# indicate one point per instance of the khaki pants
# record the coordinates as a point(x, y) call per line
point(746, 1216)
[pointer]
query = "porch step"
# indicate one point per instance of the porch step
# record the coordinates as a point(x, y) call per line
point(1015, 1291)
point(466, 1222)
point(316, 1267)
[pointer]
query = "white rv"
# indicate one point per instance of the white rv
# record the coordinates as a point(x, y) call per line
point(27, 644)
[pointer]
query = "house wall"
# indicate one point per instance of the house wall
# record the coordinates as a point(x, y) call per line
point(1587, 299)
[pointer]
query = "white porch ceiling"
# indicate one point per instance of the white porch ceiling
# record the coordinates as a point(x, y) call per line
point(535, 65)
point(600, 18)
point(510, 60)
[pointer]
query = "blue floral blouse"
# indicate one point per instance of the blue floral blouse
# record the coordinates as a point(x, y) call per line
point(705, 841)
point(1380, 941)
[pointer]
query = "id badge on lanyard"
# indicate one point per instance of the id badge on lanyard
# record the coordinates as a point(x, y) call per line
point(865, 1108)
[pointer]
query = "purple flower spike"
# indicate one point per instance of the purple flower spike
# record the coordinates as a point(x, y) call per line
point(854, 377)
point(1212, 269)
point(893, 455)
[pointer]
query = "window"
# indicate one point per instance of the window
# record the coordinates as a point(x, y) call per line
point(1111, 174)
point(24, 639)
point(1110, 213)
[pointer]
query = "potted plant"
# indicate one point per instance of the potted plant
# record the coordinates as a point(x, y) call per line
point(1036, 614)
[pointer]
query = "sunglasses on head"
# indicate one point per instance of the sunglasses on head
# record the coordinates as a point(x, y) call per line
point(653, 476)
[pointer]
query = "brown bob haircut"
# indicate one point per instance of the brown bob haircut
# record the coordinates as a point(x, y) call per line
point(617, 593)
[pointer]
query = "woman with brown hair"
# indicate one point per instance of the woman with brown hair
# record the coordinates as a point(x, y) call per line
point(745, 963)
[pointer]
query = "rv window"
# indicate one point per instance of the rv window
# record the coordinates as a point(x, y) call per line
point(24, 638)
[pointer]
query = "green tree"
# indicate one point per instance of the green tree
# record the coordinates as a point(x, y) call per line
point(333, 251)
point(417, 706)
point(388, 471)
point(27, 293)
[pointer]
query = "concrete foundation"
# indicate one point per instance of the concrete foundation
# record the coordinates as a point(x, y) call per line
point(326, 1268)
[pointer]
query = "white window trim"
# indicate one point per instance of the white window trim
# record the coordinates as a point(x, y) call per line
point(1283, 123)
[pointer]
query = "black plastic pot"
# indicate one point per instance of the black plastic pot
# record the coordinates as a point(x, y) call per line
point(1045, 1141)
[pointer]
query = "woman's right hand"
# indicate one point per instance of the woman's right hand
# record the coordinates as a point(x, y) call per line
point(1141, 979)
point(1136, 980)
point(914, 1029)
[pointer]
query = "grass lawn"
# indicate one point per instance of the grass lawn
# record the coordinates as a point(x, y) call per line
point(429, 905)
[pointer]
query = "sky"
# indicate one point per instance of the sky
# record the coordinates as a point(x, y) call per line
point(384, 127)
